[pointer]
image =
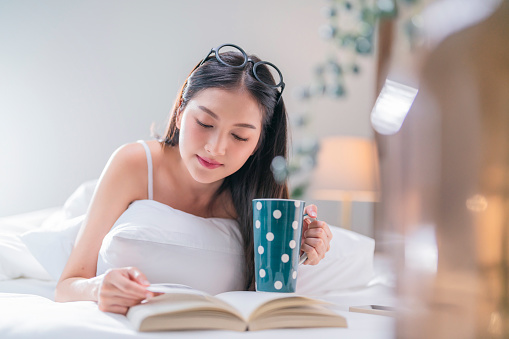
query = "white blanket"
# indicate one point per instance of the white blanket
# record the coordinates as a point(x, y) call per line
point(27, 309)
point(33, 316)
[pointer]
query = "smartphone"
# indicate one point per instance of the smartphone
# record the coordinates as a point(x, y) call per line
point(374, 309)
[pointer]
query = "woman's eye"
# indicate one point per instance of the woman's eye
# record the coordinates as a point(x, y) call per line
point(202, 124)
point(238, 138)
point(210, 126)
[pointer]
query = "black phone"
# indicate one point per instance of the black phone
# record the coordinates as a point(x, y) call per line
point(385, 308)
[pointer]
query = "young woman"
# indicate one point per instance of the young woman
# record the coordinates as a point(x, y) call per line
point(228, 123)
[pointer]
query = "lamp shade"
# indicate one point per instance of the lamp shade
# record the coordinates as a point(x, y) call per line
point(347, 169)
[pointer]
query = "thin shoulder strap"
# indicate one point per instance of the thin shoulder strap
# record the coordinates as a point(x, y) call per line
point(149, 163)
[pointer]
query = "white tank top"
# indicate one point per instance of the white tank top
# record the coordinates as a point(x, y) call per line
point(172, 246)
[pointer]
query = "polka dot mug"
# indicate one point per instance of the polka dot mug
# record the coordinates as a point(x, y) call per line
point(277, 231)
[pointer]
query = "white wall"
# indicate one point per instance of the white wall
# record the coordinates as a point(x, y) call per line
point(80, 78)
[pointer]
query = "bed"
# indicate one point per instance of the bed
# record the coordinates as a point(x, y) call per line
point(34, 246)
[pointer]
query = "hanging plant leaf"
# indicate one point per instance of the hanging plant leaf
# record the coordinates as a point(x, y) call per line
point(327, 32)
point(337, 91)
point(298, 191)
point(363, 45)
point(329, 12)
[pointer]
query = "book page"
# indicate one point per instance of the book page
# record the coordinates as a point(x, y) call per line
point(174, 288)
point(248, 302)
point(179, 298)
point(181, 303)
point(230, 310)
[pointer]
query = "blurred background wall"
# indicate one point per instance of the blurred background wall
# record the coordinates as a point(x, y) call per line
point(80, 78)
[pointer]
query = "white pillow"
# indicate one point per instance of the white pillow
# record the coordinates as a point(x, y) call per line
point(348, 264)
point(77, 203)
point(172, 246)
point(207, 253)
point(48, 240)
point(20, 223)
point(52, 246)
point(16, 261)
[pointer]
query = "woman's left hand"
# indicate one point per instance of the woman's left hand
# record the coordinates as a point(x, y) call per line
point(316, 237)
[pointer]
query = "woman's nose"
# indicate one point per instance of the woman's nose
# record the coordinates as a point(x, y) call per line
point(216, 145)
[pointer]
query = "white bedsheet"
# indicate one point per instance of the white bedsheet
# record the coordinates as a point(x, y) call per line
point(27, 311)
point(41, 288)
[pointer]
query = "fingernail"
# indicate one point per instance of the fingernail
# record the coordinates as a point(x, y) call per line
point(148, 295)
point(145, 282)
point(313, 214)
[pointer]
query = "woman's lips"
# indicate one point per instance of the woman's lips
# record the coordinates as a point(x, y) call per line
point(208, 163)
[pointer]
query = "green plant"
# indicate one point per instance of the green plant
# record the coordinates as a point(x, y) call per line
point(350, 29)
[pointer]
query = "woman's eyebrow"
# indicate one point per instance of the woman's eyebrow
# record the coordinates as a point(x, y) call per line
point(215, 116)
point(209, 112)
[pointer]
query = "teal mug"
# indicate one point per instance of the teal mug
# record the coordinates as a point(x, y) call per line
point(277, 233)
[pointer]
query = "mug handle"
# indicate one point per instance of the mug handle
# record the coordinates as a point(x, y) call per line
point(304, 255)
point(303, 258)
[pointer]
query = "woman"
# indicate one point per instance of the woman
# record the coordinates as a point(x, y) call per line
point(228, 123)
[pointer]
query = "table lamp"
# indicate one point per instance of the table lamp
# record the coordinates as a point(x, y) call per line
point(347, 170)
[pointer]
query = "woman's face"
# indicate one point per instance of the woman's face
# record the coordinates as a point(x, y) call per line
point(219, 131)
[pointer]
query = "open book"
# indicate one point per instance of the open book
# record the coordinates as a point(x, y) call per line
point(183, 308)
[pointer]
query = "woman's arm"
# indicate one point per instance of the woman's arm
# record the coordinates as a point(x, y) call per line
point(123, 180)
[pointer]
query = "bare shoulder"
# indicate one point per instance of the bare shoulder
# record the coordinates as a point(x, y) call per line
point(126, 172)
point(131, 154)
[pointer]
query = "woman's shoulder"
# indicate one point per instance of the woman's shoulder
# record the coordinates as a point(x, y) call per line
point(129, 153)
point(128, 165)
point(134, 154)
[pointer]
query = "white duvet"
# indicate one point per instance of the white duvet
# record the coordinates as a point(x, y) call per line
point(27, 311)
point(27, 282)
point(33, 316)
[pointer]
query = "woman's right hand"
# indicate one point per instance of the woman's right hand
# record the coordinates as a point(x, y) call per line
point(122, 288)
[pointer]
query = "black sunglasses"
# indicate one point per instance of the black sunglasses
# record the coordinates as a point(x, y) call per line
point(276, 73)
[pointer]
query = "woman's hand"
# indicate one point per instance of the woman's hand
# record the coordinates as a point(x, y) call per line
point(122, 288)
point(316, 237)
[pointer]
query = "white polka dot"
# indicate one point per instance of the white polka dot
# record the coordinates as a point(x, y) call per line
point(258, 205)
point(292, 244)
point(294, 275)
point(270, 236)
point(278, 285)
point(295, 225)
point(261, 249)
point(277, 214)
point(257, 223)
point(262, 273)
point(285, 258)
point(297, 203)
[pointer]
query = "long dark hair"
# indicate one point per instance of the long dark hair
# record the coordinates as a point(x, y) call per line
point(254, 179)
